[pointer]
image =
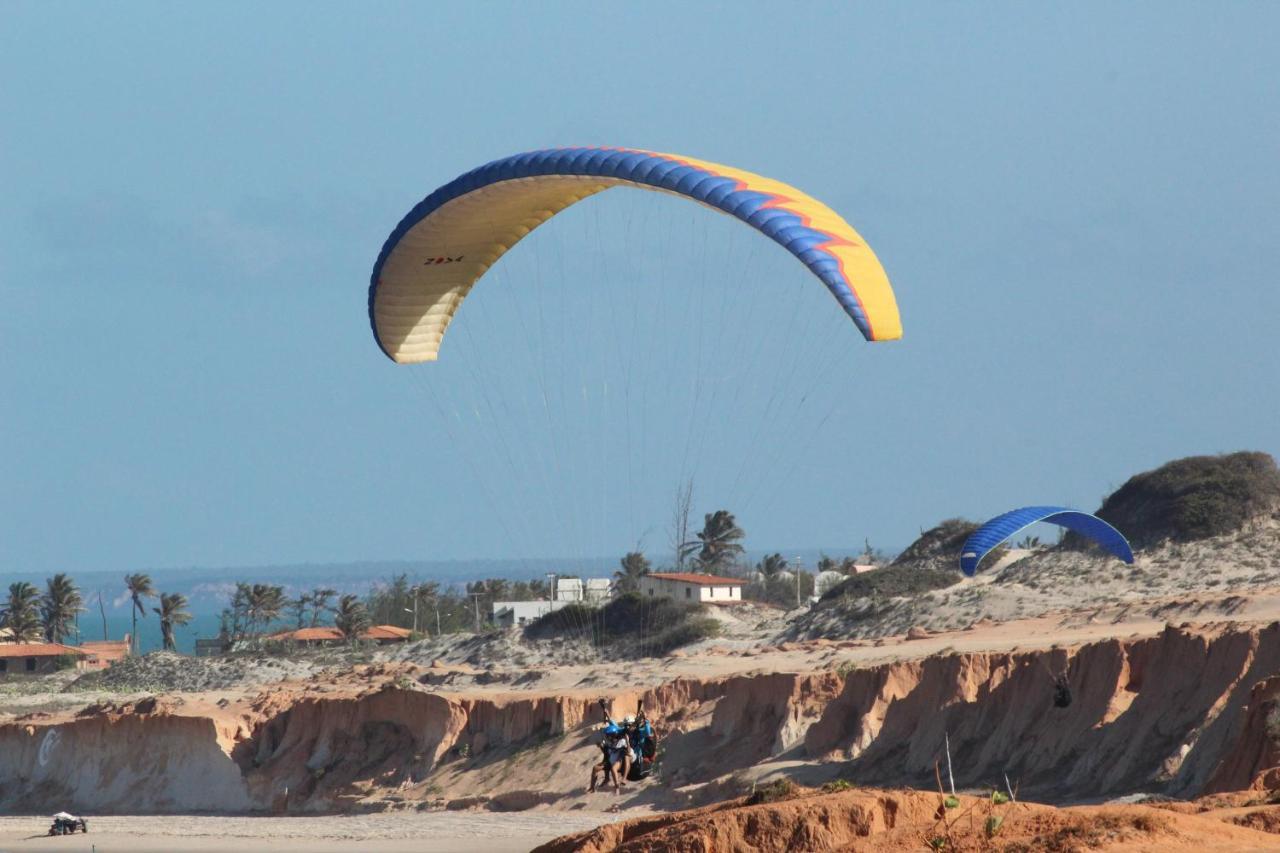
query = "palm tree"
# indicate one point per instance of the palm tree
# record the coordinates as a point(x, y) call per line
point(633, 567)
point(299, 608)
point(320, 604)
point(59, 606)
point(770, 567)
point(265, 603)
point(428, 591)
point(172, 611)
point(139, 586)
point(719, 537)
point(20, 613)
point(352, 618)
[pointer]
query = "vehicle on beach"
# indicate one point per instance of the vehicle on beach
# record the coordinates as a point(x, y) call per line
point(68, 824)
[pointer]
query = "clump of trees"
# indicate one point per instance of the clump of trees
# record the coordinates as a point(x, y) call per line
point(30, 616)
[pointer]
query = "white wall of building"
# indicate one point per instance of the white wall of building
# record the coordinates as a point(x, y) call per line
point(652, 587)
point(507, 614)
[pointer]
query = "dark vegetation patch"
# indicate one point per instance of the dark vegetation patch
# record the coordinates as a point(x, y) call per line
point(893, 581)
point(942, 541)
point(1193, 498)
point(773, 792)
point(647, 625)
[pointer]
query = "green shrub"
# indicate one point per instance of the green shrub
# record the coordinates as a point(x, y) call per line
point(1192, 498)
point(775, 791)
point(659, 624)
point(893, 581)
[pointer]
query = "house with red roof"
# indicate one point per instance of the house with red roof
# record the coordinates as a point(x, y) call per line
point(36, 658)
point(380, 634)
point(694, 588)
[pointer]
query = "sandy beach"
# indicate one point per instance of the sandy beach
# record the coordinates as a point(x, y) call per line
point(433, 832)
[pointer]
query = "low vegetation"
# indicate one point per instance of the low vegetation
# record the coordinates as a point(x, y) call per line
point(773, 792)
point(893, 581)
point(647, 625)
point(1193, 498)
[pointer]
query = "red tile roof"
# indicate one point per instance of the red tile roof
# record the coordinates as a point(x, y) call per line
point(316, 635)
point(386, 632)
point(703, 580)
point(308, 635)
point(36, 650)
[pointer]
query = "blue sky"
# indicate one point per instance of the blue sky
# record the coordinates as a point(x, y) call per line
point(1076, 205)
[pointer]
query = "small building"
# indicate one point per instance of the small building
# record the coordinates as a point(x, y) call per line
point(386, 634)
point(682, 586)
point(36, 658)
point(207, 647)
point(100, 654)
point(568, 589)
point(597, 590)
point(509, 614)
point(329, 635)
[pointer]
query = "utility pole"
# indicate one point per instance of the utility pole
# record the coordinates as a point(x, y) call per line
point(475, 600)
point(796, 562)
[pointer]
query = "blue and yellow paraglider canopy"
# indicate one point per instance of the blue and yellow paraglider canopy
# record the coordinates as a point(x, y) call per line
point(451, 238)
point(987, 537)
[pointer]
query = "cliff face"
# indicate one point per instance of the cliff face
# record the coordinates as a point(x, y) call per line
point(108, 761)
point(1182, 713)
point(1157, 714)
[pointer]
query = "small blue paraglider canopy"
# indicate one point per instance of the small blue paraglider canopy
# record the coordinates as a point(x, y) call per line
point(997, 530)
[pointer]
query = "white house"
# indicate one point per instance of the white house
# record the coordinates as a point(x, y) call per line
point(590, 590)
point(706, 589)
point(507, 614)
point(598, 590)
point(568, 589)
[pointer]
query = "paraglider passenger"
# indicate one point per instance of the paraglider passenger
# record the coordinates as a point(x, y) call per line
point(615, 748)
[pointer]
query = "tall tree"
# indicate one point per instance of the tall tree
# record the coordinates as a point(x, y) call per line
point(59, 606)
point(632, 567)
point(172, 611)
point(265, 604)
point(427, 592)
point(352, 618)
point(320, 605)
point(299, 607)
point(719, 540)
point(771, 566)
point(682, 544)
point(21, 613)
point(139, 586)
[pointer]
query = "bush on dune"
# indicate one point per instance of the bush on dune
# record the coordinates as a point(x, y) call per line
point(657, 624)
point(893, 581)
point(1193, 498)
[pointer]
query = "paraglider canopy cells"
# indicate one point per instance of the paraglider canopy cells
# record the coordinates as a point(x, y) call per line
point(452, 237)
point(989, 536)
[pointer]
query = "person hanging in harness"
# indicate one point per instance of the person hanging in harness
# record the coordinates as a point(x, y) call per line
point(1061, 691)
point(644, 743)
point(615, 748)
